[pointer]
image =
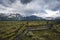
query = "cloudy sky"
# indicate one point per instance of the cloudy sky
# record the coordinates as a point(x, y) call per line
point(40, 8)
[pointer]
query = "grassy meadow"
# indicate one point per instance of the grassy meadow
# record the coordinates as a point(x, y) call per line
point(20, 30)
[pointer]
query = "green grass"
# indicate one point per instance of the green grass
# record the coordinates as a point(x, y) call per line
point(9, 30)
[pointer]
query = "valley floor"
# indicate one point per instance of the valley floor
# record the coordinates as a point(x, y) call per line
point(32, 30)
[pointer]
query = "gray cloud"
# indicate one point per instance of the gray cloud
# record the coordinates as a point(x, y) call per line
point(12, 1)
point(53, 4)
point(25, 1)
point(6, 2)
point(29, 7)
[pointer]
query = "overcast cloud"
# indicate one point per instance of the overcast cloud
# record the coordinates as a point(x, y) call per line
point(41, 8)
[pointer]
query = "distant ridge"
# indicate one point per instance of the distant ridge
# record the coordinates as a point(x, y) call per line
point(17, 17)
point(32, 18)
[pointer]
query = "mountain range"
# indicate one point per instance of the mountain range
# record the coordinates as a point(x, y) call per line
point(27, 18)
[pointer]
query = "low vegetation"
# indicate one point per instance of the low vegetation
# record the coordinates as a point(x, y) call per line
point(18, 30)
